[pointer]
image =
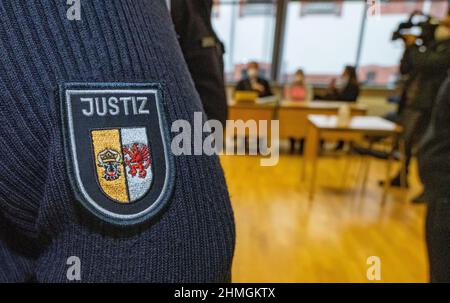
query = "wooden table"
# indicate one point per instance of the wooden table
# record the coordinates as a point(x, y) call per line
point(252, 111)
point(246, 111)
point(293, 116)
point(326, 127)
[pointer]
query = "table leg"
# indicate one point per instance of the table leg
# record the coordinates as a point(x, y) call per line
point(312, 149)
point(347, 165)
point(313, 179)
point(304, 163)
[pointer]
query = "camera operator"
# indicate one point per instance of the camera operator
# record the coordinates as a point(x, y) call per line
point(425, 61)
point(434, 169)
point(407, 74)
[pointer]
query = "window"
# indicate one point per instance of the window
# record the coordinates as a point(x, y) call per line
point(321, 39)
point(247, 30)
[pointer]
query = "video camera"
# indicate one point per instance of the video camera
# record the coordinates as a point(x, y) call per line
point(418, 25)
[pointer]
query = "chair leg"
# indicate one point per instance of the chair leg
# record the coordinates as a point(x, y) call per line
point(387, 182)
point(366, 174)
point(347, 166)
point(366, 171)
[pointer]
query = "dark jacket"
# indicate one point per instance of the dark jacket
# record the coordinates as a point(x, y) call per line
point(245, 85)
point(203, 53)
point(407, 77)
point(430, 69)
point(434, 151)
point(350, 93)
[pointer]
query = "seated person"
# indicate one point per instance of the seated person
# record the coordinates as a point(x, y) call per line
point(254, 82)
point(298, 90)
point(345, 89)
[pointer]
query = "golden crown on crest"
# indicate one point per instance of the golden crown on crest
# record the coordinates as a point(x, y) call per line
point(109, 155)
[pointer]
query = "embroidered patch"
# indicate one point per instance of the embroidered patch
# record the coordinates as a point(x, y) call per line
point(117, 146)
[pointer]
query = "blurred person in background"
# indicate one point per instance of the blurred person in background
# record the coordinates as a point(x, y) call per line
point(405, 78)
point(203, 53)
point(254, 81)
point(345, 88)
point(406, 72)
point(298, 91)
point(427, 65)
point(434, 169)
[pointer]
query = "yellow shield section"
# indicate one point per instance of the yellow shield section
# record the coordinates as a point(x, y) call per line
point(115, 187)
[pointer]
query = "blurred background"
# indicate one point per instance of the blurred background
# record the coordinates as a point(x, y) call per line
point(347, 82)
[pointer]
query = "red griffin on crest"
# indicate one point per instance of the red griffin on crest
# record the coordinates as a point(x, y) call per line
point(137, 158)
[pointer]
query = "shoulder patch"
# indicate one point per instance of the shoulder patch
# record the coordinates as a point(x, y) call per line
point(117, 147)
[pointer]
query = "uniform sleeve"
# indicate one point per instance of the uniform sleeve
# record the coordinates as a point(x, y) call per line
point(116, 42)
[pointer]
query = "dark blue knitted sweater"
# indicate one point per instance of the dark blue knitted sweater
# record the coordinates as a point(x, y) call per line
point(115, 41)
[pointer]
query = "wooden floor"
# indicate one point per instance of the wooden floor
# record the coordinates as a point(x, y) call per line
point(282, 237)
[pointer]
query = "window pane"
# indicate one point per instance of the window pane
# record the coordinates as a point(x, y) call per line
point(380, 55)
point(321, 38)
point(247, 30)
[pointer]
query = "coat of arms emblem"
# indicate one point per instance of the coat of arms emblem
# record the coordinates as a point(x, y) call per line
point(117, 149)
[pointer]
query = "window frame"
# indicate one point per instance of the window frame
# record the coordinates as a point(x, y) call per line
point(281, 10)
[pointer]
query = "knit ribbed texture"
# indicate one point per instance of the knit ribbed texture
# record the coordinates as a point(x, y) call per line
point(116, 41)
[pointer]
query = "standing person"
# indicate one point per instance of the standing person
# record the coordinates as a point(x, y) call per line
point(434, 169)
point(345, 89)
point(254, 81)
point(203, 52)
point(429, 65)
point(407, 73)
